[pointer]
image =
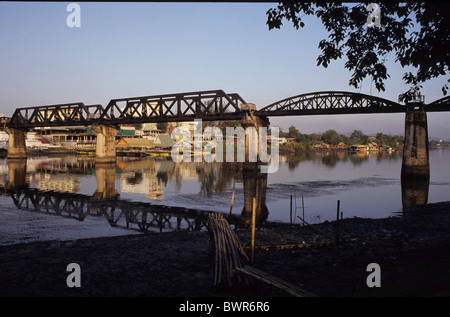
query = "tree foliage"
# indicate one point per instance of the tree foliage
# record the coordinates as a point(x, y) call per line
point(305, 142)
point(162, 126)
point(330, 136)
point(417, 33)
point(390, 140)
point(358, 137)
point(297, 135)
point(333, 138)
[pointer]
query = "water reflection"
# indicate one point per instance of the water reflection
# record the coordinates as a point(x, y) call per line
point(414, 192)
point(17, 170)
point(105, 175)
point(331, 159)
point(103, 203)
point(55, 192)
point(148, 177)
point(255, 186)
point(120, 213)
point(54, 185)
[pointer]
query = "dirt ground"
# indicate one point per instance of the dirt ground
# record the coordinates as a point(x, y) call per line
point(412, 251)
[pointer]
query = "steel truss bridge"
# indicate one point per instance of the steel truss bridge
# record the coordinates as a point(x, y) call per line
point(210, 105)
point(336, 102)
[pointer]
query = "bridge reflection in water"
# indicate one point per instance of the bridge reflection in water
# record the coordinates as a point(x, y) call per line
point(105, 200)
point(255, 185)
point(145, 217)
point(415, 192)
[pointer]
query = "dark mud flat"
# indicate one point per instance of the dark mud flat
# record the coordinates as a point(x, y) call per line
point(413, 252)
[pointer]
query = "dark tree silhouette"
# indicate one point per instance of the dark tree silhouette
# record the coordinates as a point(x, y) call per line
point(417, 33)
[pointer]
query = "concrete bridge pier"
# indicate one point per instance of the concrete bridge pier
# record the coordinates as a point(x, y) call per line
point(416, 162)
point(16, 145)
point(251, 125)
point(105, 151)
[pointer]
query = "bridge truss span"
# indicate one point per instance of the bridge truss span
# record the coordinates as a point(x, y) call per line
point(442, 104)
point(55, 115)
point(209, 105)
point(205, 105)
point(330, 102)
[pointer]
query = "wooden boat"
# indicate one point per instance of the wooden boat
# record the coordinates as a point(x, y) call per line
point(85, 152)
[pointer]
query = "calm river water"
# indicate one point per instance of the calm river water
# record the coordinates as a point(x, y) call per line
point(68, 197)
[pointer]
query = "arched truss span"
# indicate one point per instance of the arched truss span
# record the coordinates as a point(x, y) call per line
point(330, 102)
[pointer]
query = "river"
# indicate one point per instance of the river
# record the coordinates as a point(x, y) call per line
point(68, 197)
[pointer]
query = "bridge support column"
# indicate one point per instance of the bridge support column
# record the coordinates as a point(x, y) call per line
point(16, 144)
point(252, 142)
point(105, 151)
point(415, 164)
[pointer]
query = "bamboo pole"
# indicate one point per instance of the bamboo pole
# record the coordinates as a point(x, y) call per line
point(229, 253)
point(280, 246)
point(212, 226)
point(276, 282)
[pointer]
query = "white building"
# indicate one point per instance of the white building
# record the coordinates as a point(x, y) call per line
point(150, 130)
point(4, 137)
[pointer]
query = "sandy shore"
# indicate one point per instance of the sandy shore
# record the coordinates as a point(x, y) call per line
point(412, 251)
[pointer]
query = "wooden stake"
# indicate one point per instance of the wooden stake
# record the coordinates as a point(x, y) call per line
point(337, 221)
point(295, 209)
point(303, 208)
point(253, 227)
point(290, 211)
point(232, 197)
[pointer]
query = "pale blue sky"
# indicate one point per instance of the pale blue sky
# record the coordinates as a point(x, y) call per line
point(138, 49)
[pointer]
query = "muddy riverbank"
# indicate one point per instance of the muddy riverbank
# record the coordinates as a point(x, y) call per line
point(412, 251)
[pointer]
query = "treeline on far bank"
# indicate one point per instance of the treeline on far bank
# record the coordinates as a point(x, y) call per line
point(330, 139)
